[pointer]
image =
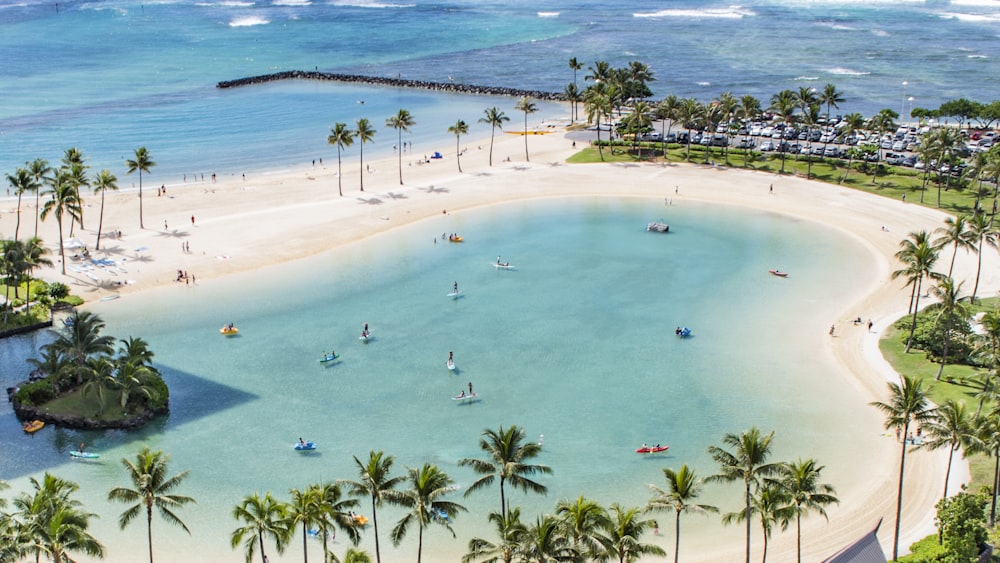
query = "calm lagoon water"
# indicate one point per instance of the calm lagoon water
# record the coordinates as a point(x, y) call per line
point(577, 344)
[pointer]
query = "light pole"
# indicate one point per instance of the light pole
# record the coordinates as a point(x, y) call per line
point(910, 113)
point(902, 103)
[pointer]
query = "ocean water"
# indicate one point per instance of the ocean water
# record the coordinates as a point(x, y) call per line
point(576, 345)
point(107, 76)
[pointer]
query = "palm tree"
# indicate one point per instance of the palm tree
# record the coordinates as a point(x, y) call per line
point(65, 200)
point(375, 483)
point(597, 105)
point(853, 122)
point(425, 504)
point(73, 163)
point(950, 425)
point(981, 230)
point(907, 404)
point(783, 104)
point(879, 124)
point(51, 521)
point(583, 519)
point(98, 376)
point(152, 488)
point(640, 120)
point(572, 95)
point(918, 257)
point(22, 181)
point(135, 351)
point(135, 380)
point(336, 511)
point(544, 542)
point(263, 517)
point(402, 121)
point(141, 163)
point(40, 171)
point(830, 96)
point(800, 479)
point(771, 505)
point(365, 134)
point(575, 65)
point(459, 128)
point(511, 533)
point(507, 454)
point(941, 145)
point(957, 233)
point(64, 530)
point(342, 137)
point(527, 106)
point(950, 307)
point(305, 508)
point(666, 112)
point(689, 113)
point(495, 119)
point(33, 256)
point(683, 487)
point(987, 440)
point(746, 462)
point(623, 534)
point(748, 110)
point(355, 556)
point(82, 338)
point(103, 182)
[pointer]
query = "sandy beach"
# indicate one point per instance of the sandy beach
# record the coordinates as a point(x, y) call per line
point(244, 221)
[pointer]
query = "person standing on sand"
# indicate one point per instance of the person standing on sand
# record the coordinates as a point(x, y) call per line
point(192, 220)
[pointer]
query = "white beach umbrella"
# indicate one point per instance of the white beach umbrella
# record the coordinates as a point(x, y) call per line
point(73, 243)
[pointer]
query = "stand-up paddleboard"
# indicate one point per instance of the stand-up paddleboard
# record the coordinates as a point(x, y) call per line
point(365, 337)
point(329, 358)
point(465, 397)
point(451, 365)
point(454, 294)
point(83, 455)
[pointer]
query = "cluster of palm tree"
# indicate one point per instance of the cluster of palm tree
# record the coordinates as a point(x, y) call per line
point(49, 521)
point(81, 357)
point(18, 262)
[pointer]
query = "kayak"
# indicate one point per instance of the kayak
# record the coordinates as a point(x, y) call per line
point(652, 449)
point(684, 333)
point(33, 426)
point(329, 358)
point(83, 455)
point(307, 447)
point(451, 365)
point(778, 273)
point(454, 239)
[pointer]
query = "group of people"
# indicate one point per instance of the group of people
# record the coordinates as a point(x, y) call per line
point(183, 275)
point(452, 237)
point(462, 394)
point(499, 263)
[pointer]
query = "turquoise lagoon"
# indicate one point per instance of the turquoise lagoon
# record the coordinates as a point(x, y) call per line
point(577, 344)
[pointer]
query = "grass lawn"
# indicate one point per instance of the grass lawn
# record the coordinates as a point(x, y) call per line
point(73, 403)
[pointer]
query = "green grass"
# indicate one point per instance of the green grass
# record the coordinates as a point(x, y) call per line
point(73, 403)
point(953, 384)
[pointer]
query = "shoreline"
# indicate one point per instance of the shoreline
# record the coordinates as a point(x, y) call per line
point(277, 218)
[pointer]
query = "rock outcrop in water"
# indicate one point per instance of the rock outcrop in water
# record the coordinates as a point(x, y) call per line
point(393, 82)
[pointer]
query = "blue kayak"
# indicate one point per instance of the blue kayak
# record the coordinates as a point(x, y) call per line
point(307, 447)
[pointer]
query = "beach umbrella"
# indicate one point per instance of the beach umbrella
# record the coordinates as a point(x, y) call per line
point(73, 243)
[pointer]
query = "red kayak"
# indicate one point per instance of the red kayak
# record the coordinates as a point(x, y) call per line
point(652, 449)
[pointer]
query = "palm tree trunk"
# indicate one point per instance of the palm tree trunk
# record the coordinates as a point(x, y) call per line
point(420, 541)
point(36, 211)
point(493, 131)
point(340, 175)
point(916, 307)
point(100, 223)
point(149, 530)
point(748, 520)
point(947, 474)
point(899, 494)
point(305, 548)
point(763, 558)
point(677, 537)
point(400, 153)
point(798, 537)
point(141, 226)
point(17, 226)
point(944, 355)
point(326, 550)
point(458, 154)
point(503, 501)
point(996, 482)
point(526, 137)
point(979, 268)
point(378, 554)
point(362, 166)
point(260, 538)
point(62, 250)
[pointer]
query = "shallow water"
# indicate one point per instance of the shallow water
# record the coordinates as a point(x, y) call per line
point(576, 343)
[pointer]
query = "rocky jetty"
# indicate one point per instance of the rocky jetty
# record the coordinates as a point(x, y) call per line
point(395, 83)
point(135, 421)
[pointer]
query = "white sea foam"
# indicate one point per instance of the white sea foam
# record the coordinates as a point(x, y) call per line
point(880, 33)
point(228, 4)
point(248, 21)
point(548, 14)
point(806, 78)
point(732, 12)
point(846, 71)
point(367, 4)
point(703, 83)
point(975, 18)
point(976, 57)
point(292, 3)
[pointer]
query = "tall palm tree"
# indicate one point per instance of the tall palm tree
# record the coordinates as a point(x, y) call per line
point(575, 65)
point(950, 425)
point(103, 182)
point(747, 462)
point(597, 106)
point(882, 122)
point(784, 104)
point(458, 129)
point(82, 338)
point(690, 113)
point(141, 163)
point(263, 518)
point(918, 256)
point(907, 404)
point(76, 171)
point(151, 488)
point(64, 531)
point(402, 121)
point(622, 537)
point(40, 171)
point(134, 350)
point(305, 508)
point(22, 181)
point(341, 137)
point(544, 542)
point(424, 500)
point(506, 456)
point(511, 533)
point(957, 233)
point(583, 519)
point(50, 517)
point(34, 256)
point(853, 122)
point(337, 511)
point(365, 134)
point(748, 110)
point(950, 307)
point(801, 480)
point(99, 375)
point(640, 120)
point(941, 146)
point(375, 483)
point(527, 106)
point(135, 381)
point(573, 95)
point(981, 230)
point(683, 487)
point(666, 112)
point(771, 505)
point(987, 440)
point(495, 119)
point(64, 201)
point(830, 96)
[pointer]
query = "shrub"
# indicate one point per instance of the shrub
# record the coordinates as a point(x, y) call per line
point(926, 550)
point(59, 291)
point(36, 393)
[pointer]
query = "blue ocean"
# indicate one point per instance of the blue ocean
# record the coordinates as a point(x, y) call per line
point(110, 76)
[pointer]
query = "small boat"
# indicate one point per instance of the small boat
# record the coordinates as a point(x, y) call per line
point(658, 227)
point(652, 449)
point(229, 330)
point(329, 358)
point(305, 446)
point(83, 455)
point(451, 365)
point(33, 426)
point(463, 396)
point(455, 238)
point(778, 273)
point(683, 332)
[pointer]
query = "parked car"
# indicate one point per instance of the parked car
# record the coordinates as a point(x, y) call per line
point(767, 146)
point(898, 145)
point(832, 152)
point(744, 144)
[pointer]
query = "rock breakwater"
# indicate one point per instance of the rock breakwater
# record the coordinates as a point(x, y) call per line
point(395, 83)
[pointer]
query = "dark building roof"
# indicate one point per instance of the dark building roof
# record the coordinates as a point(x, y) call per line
point(864, 550)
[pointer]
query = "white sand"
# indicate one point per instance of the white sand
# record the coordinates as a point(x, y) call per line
point(274, 217)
